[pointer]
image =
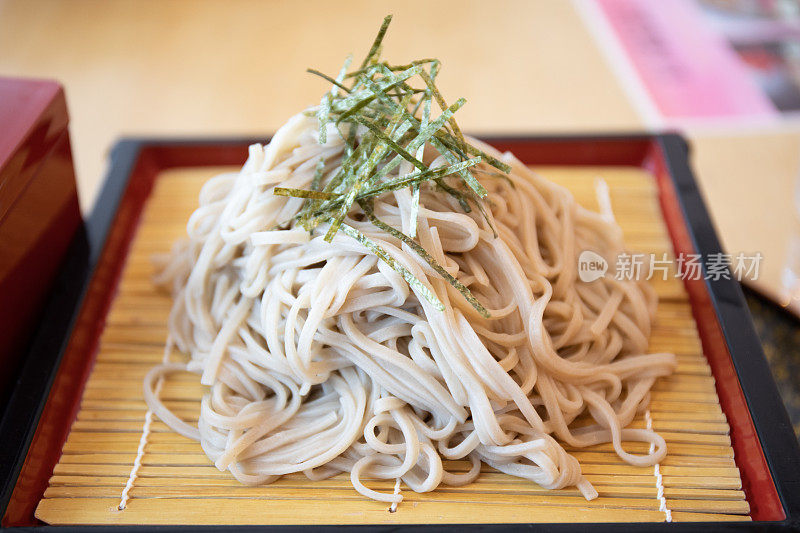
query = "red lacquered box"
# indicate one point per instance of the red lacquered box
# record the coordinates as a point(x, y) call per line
point(39, 210)
point(46, 400)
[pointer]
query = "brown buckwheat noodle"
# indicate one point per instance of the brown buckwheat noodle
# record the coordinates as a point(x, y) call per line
point(319, 358)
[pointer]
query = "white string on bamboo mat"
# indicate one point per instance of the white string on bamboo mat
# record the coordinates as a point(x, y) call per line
point(662, 501)
point(148, 421)
point(393, 507)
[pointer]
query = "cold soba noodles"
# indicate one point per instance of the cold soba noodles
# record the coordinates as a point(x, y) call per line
point(375, 293)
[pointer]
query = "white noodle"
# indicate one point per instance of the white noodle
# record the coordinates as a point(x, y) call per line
point(319, 358)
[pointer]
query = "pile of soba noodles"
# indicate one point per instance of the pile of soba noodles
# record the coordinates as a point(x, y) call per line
point(376, 294)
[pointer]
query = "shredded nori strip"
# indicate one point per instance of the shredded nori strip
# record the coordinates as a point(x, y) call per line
point(384, 120)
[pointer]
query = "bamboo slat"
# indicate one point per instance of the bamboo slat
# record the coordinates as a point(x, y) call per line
point(177, 484)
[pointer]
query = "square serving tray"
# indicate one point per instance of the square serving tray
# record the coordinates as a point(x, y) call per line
point(46, 398)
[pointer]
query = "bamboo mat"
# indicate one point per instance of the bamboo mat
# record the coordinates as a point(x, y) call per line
point(177, 484)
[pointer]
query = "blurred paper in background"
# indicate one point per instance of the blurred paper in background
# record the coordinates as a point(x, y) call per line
point(731, 62)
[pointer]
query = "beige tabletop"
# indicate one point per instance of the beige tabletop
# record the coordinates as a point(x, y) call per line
point(238, 68)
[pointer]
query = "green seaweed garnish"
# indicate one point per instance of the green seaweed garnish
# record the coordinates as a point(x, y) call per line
point(384, 118)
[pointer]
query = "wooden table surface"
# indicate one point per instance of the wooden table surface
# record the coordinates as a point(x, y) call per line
point(216, 68)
